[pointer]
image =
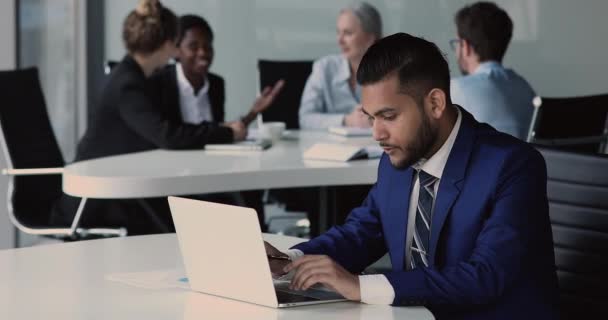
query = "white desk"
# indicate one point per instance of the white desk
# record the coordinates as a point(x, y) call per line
point(163, 173)
point(66, 281)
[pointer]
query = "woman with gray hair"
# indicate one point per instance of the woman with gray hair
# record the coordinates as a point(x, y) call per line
point(331, 96)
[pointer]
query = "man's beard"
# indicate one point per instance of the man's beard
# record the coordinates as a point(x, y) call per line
point(425, 139)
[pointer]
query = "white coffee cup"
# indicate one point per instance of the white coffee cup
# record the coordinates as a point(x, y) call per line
point(272, 131)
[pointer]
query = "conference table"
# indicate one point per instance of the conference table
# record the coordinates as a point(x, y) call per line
point(70, 281)
point(160, 173)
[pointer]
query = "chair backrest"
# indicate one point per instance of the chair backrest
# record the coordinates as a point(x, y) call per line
point(108, 66)
point(29, 142)
point(287, 103)
point(574, 117)
point(577, 189)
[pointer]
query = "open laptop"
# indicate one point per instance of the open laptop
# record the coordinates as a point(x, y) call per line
point(224, 255)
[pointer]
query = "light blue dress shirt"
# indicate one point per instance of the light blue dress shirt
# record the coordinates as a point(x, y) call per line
point(327, 96)
point(497, 96)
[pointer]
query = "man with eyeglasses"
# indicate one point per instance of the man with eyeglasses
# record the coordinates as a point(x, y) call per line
point(492, 93)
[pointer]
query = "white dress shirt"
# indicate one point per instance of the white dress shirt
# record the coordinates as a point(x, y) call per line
point(433, 166)
point(375, 288)
point(195, 108)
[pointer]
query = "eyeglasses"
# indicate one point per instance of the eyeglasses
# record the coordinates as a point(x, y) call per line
point(454, 44)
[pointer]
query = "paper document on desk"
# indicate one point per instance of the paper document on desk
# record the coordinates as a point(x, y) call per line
point(157, 279)
point(339, 152)
point(254, 134)
point(247, 145)
point(351, 131)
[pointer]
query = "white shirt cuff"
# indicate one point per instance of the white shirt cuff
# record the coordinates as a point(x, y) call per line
point(375, 289)
point(294, 254)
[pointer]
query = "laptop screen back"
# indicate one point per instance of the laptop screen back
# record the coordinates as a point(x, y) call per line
point(223, 250)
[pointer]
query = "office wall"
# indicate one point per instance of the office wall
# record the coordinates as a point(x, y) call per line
point(52, 36)
point(558, 45)
point(7, 61)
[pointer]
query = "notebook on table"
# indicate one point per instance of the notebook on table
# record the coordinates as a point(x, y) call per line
point(247, 145)
point(340, 152)
point(351, 131)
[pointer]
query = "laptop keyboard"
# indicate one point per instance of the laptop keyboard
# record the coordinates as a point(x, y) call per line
point(290, 297)
point(282, 290)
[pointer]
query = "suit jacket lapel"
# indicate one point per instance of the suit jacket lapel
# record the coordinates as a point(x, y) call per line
point(174, 109)
point(452, 177)
point(216, 92)
point(400, 202)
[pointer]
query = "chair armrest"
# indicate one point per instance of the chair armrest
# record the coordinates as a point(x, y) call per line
point(570, 141)
point(30, 172)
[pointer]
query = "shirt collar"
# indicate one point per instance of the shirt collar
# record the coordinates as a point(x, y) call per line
point(342, 77)
point(487, 66)
point(185, 86)
point(435, 165)
point(343, 74)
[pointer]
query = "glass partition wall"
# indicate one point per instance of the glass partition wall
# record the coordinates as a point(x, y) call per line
point(50, 38)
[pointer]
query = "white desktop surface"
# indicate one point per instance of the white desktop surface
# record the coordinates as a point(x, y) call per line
point(172, 172)
point(67, 281)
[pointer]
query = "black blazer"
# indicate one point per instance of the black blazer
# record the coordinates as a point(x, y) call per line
point(165, 81)
point(129, 118)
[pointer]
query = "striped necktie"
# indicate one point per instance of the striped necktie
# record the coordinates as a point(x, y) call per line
point(422, 234)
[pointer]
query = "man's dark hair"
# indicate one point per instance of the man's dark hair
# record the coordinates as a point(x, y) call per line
point(191, 21)
point(419, 64)
point(487, 28)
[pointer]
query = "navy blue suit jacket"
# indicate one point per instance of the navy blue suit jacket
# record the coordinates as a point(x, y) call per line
point(491, 250)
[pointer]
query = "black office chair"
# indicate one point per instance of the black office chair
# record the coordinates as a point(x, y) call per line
point(286, 105)
point(285, 108)
point(577, 189)
point(108, 66)
point(34, 160)
point(575, 124)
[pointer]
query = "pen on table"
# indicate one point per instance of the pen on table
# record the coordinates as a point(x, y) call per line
point(278, 257)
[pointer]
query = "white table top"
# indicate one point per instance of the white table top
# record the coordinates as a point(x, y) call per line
point(162, 172)
point(67, 281)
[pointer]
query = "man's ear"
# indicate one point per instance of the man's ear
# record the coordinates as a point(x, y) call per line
point(466, 48)
point(436, 101)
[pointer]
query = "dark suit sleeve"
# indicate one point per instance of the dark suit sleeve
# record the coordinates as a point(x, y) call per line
point(358, 242)
point(217, 95)
point(144, 116)
point(501, 247)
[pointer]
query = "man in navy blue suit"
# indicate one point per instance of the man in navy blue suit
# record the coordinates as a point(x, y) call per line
point(460, 207)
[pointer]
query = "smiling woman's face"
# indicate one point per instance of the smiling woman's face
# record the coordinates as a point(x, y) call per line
point(195, 52)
